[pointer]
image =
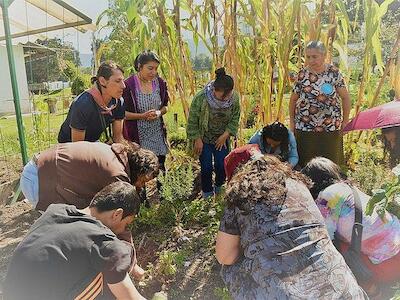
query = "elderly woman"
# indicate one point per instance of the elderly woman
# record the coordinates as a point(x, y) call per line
point(277, 140)
point(213, 118)
point(93, 111)
point(272, 239)
point(72, 173)
point(316, 105)
point(335, 198)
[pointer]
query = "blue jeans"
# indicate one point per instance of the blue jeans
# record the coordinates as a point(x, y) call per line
point(207, 168)
point(29, 183)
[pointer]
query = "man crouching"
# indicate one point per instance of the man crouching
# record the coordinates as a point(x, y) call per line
point(71, 254)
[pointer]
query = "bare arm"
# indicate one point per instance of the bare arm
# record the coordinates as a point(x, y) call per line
point(117, 131)
point(77, 135)
point(292, 106)
point(125, 290)
point(227, 248)
point(346, 104)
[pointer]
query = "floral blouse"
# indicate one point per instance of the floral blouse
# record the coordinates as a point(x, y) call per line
point(318, 108)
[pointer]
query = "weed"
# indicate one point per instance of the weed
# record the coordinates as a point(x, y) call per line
point(222, 293)
point(166, 264)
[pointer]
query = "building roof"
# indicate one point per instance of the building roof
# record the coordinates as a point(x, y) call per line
point(36, 17)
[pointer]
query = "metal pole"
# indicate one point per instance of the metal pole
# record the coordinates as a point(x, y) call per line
point(14, 83)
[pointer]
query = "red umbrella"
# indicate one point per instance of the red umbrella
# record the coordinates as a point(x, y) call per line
point(382, 116)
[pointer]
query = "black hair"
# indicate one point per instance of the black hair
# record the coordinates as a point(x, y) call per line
point(394, 153)
point(323, 172)
point(278, 132)
point(223, 82)
point(117, 195)
point(141, 161)
point(145, 57)
point(106, 70)
point(317, 45)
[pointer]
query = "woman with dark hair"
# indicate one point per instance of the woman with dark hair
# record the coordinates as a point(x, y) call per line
point(94, 110)
point(277, 140)
point(335, 198)
point(213, 117)
point(319, 107)
point(391, 141)
point(272, 240)
point(146, 99)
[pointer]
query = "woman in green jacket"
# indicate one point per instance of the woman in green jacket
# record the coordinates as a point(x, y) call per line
point(213, 118)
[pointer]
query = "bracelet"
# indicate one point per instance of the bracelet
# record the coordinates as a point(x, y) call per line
point(158, 113)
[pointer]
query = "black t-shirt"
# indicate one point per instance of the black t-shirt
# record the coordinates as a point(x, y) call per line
point(85, 114)
point(62, 254)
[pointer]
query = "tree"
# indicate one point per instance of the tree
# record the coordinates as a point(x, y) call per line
point(47, 63)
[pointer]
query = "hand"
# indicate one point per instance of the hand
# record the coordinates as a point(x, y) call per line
point(344, 123)
point(221, 141)
point(198, 146)
point(150, 115)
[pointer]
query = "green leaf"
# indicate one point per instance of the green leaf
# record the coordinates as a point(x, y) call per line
point(378, 196)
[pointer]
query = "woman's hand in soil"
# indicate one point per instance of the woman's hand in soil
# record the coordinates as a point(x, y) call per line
point(198, 146)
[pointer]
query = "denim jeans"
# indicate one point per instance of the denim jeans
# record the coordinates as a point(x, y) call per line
point(29, 183)
point(207, 167)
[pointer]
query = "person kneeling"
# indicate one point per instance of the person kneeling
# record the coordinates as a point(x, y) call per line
point(272, 240)
point(71, 253)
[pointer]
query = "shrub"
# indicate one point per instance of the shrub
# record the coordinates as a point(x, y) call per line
point(79, 84)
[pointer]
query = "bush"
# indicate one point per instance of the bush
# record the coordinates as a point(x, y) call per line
point(79, 84)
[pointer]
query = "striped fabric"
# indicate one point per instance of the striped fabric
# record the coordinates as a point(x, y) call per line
point(93, 289)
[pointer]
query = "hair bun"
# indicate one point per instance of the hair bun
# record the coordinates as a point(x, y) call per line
point(220, 72)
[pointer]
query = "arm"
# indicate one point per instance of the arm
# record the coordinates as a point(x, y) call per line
point(346, 104)
point(293, 156)
point(192, 128)
point(125, 290)
point(77, 135)
point(227, 248)
point(233, 125)
point(117, 131)
point(292, 107)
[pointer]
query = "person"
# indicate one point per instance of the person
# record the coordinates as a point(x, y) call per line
point(146, 100)
point(334, 196)
point(277, 140)
point(391, 142)
point(72, 173)
point(213, 117)
point(91, 113)
point(315, 107)
point(75, 254)
point(272, 241)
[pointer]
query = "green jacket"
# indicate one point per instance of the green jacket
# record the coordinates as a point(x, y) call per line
point(198, 118)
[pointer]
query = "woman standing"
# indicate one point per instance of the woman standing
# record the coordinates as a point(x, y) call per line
point(315, 108)
point(213, 118)
point(95, 109)
point(146, 99)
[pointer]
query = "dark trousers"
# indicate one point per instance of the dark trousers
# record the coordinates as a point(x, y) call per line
point(325, 144)
point(207, 167)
